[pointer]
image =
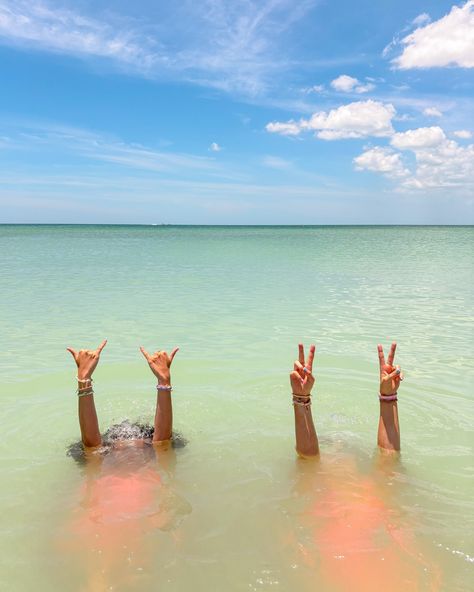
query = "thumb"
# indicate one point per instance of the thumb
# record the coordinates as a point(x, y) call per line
point(394, 374)
point(173, 353)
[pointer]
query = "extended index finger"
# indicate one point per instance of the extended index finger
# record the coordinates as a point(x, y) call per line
point(309, 363)
point(381, 356)
point(301, 354)
point(391, 355)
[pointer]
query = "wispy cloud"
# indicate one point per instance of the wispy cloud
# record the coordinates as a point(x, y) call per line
point(35, 24)
point(463, 134)
point(144, 199)
point(276, 162)
point(233, 45)
point(99, 147)
point(432, 112)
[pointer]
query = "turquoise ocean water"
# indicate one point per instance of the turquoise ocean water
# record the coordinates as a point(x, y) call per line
point(237, 510)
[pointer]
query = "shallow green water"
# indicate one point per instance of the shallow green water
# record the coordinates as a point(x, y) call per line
point(236, 507)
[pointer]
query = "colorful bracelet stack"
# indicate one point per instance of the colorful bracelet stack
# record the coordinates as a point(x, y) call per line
point(87, 389)
point(302, 400)
point(388, 398)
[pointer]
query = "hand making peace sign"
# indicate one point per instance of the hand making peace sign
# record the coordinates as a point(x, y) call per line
point(390, 375)
point(302, 379)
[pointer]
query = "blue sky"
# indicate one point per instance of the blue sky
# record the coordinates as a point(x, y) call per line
point(237, 111)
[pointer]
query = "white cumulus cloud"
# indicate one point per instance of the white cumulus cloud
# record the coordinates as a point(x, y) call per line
point(381, 160)
point(448, 41)
point(422, 137)
point(446, 165)
point(345, 83)
point(214, 147)
point(439, 163)
point(360, 119)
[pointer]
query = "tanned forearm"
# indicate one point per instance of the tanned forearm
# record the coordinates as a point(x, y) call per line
point(163, 417)
point(302, 381)
point(306, 438)
point(88, 422)
point(160, 363)
point(86, 362)
point(388, 436)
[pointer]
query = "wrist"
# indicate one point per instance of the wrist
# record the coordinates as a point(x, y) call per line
point(388, 400)
point(388, 397)
point(84, 376)
point(164, 379)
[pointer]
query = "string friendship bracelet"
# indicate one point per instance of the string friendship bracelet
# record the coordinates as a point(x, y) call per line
point(302, 400)
point(388, 398)
point(85, 387)
point(85, 391)
point(164, 387)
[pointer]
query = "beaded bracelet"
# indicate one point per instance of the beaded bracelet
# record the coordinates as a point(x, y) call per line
point(388, 398)
point(164, 387)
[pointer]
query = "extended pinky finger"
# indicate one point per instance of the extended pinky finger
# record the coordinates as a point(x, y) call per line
point(101, 346)
point(145, 353)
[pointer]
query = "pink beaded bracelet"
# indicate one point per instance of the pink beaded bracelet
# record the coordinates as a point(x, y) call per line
point(388, 398)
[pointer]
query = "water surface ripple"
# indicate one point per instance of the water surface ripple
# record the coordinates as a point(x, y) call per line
point(235, 510)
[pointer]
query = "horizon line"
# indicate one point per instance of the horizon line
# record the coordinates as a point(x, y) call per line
point(177, 225)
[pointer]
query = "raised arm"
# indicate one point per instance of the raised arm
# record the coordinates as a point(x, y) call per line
point(86, 362)
point(388, 436)
point(160, 363)
point(302, 381)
